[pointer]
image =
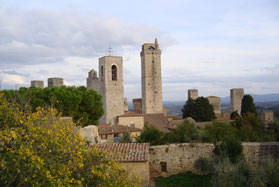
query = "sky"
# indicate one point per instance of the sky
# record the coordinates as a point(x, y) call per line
point(210, 45)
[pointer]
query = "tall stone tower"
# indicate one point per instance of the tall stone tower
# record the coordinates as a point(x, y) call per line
point(236, 99)
point(193, 94)
point(151, 80)
point(110, 85)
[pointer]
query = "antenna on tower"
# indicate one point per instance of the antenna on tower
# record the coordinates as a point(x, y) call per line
point(110, 50)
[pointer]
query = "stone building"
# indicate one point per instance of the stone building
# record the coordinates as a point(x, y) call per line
point(137, 104)
point(109, 84)
point(131, 119)
point(267, 116)
point(55, 81)
point(133, 157)
point(216, 103)
point(151, 80)
point(37, 83)
point(236, 99)
point(193, 94)
point(113, 133)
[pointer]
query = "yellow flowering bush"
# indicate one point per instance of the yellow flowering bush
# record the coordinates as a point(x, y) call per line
point(38, 149)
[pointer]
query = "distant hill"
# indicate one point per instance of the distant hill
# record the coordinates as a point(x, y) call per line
point(257, 98)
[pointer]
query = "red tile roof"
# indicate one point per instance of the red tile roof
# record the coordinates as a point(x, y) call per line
point(117, 129)
point(100, 126)
point(131, 114)
point(126, 152)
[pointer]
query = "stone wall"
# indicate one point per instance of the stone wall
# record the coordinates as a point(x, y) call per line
point(37, 84)
point(216, 103)
point(140, 169)
point(55, 81)
point(178, 158)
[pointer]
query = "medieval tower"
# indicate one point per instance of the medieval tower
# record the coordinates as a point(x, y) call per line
point(110, 85)
point(236, 99)
point(151, 80)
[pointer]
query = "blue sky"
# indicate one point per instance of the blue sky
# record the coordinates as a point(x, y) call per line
point(207, 44)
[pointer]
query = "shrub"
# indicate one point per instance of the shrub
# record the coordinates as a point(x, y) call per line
point(230, 148)
point(126, 138)
point(203, 165)
point(151, 135)
point(39, 149)
point(268, 172)
point(236, 174)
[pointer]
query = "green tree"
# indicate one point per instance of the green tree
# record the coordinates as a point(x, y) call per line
point(219, 131)
point(199, 109)
point(248, 105)
point(151, 135)
point(38, 149)
point(185, 132)
point(126, 138)
point(85, 106)
point(234, 115)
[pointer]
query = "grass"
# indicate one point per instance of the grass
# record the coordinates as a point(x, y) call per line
point(184, 179)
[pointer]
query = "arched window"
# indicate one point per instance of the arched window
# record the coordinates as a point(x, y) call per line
point(114, 72)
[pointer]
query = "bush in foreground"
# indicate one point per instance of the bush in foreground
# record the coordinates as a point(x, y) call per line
point(39, 150)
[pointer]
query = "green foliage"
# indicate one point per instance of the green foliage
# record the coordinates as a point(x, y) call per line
point(268, 172)
point(184, 179)
point(39, 149)
point(248, 105)
point(151, 135)
point(85, 106)
point(199, 109)
point(219, 131)
point(203, 165)
point(230, 148)
point(234, 174)
point(126, 138)
point(185, 132)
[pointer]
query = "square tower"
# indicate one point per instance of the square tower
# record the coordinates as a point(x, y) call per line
point(111, 88)
point(236, 99)
point(193, 94)
point(151, 80)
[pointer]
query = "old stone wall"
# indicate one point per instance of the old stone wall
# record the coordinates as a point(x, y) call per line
point(140, 169)
point(166, 160)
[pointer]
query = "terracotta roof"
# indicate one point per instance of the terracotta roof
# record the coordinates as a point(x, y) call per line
point(126, 152)
point(158, 120)
point(100, 126)
point(117, 129)
point(130, 114)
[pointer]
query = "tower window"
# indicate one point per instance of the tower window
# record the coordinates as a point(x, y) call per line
point(114, 72)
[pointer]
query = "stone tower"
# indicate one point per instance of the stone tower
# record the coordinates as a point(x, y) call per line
point(37, 84)
point(193, 94)
point(236, 99)
point(110, 85)
point(55, 81)
point(216, 103)
point(151, 80)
